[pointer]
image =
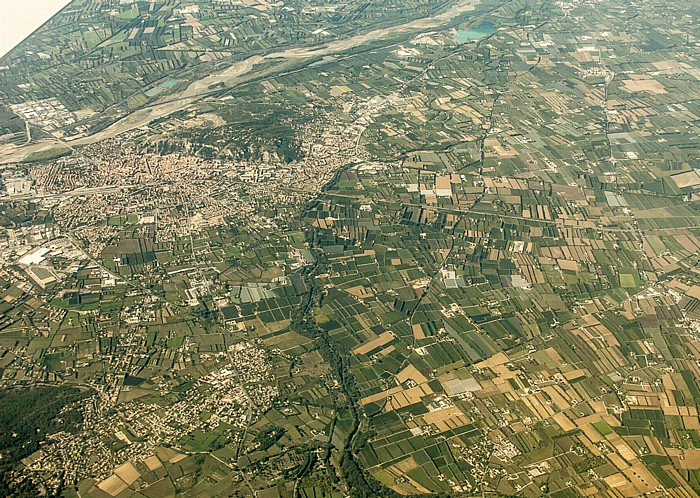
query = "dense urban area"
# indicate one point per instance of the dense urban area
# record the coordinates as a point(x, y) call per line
point(339, 248)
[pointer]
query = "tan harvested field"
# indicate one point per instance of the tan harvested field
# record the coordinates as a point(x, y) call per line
point(381, 395)
point(378, 342)
point(687, 179)
point(641, 84)
point(152, 462)
point(409, 397)
point(411, 372)
point(446, 418)
point(127, 473)
point(112, 485)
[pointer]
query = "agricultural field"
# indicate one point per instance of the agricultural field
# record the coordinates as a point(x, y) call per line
point(366, 249)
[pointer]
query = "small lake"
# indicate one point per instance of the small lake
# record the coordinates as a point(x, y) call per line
point(465, 35)
point(169, 83)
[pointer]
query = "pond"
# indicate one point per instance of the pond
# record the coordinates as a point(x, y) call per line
point(465, 35)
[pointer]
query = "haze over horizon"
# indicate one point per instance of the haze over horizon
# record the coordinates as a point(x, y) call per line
point(21, 18)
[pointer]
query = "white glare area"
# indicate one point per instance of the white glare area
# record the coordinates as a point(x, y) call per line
point(20, 18)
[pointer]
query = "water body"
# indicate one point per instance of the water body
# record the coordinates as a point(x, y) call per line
point(20, 18)
point(169, 83)
point(467, 35)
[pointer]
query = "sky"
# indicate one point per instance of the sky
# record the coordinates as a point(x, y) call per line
point(19, 18)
